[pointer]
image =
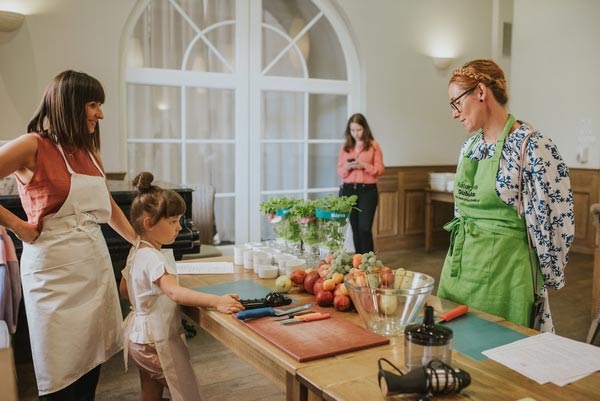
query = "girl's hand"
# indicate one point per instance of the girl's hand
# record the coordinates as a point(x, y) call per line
point(350, 165)
point(27, 232)
point(229, 304)
point(358, 165)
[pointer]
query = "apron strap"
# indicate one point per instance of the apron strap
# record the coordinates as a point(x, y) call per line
point(65, 159)
point(69, 166)
point(129, 319)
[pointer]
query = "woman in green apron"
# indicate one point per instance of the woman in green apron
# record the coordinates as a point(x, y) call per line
point(511, 183)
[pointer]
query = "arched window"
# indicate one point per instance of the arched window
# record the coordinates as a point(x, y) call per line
point(250, 97)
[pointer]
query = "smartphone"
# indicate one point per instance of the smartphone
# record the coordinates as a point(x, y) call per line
point(351, 160)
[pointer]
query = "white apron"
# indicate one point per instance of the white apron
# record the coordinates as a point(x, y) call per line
point(70, 293)
point(163, 325)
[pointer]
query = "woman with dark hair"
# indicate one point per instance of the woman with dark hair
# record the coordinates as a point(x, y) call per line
point(514, 219)
point(71, 300)
point(360, 162)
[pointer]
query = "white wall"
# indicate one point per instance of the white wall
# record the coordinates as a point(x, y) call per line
point(555, 72)
point(58, 35)
point(406, 98)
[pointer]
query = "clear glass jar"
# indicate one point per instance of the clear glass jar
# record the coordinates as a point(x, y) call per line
point(332, 226)
point(309, 233)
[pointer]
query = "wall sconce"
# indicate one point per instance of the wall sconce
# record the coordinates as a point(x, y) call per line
point(10, 21)
point(442, 63)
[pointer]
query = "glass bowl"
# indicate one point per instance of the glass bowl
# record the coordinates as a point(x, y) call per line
point(389, 299)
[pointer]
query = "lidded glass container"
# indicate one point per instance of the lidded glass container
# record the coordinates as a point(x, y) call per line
point(426, 341)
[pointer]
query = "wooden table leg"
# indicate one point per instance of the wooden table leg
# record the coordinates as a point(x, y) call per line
point(294, 390)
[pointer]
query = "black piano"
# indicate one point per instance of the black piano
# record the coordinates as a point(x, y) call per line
point(186, 242)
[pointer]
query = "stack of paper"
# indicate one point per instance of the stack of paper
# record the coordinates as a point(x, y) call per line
point(204, 267)
point(548, 358)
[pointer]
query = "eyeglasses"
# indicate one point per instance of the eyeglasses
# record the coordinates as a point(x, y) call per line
point(454, 103)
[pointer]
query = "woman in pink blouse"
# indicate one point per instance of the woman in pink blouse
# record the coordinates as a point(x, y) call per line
point(360, 162)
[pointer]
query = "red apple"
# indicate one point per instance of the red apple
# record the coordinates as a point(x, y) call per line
point(310, 280)
point(324, 298)
point(340, 289)
point(341, 302)
point(297, 276)
point(318, 286)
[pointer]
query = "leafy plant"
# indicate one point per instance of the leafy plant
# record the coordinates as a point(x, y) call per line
point(304, 213)
point(333, 227)
point(309, 232)
point(304, 208)
point(332, 233)
point(270, 206)
point(333, 203)
point(284, 226)
point(289, 229)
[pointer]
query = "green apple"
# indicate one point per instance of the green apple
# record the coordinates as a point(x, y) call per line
point(283, 284)
point(388, 304)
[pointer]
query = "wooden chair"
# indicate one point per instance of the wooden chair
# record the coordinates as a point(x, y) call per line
point(203, 212)
point(595, 212)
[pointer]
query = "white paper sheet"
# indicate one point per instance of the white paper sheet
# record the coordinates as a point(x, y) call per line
point(548, 358)
point(205, 268)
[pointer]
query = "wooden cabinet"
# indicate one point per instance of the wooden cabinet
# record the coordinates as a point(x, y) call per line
point(400, 218)
point(586, 191)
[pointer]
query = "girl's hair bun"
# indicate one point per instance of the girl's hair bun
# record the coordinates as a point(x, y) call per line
point(143, 182)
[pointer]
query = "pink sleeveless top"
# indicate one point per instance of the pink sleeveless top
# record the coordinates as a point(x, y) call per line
point(51, 181)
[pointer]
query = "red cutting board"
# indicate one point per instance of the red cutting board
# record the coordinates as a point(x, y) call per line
point(317, 339)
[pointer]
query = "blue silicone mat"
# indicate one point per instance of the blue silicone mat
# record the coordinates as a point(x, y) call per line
point(472, 335)
point(246, 289)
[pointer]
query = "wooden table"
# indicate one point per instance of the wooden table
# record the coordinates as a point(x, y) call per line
point(430, 197)
point(353, 376)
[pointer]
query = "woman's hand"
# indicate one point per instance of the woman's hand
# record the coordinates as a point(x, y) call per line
point(350, 165)
point(358, 165)
point(27, 232)
point(229, 304)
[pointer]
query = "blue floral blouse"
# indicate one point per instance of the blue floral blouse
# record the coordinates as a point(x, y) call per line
point(547, 199)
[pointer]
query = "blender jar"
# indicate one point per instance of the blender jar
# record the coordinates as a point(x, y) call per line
point(426, 341)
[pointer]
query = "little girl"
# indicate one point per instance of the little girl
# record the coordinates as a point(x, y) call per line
point(153, 332)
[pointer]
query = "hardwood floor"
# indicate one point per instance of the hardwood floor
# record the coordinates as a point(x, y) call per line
point(223, 376)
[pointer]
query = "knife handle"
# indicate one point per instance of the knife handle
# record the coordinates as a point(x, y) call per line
point(316, 317)
point(255, 313)
point(454, 313)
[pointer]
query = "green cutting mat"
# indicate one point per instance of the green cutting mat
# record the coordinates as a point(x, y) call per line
point(472, 335)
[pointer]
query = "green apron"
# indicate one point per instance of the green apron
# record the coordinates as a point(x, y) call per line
point(487, 266)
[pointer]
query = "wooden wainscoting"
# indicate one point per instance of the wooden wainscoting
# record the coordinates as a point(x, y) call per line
point(400, 218)
point(586, 191)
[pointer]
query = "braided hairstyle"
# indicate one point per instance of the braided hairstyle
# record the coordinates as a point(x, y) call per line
point(482, 71)
point(153, 201)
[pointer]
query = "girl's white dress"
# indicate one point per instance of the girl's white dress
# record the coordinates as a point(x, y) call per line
point(156, 319)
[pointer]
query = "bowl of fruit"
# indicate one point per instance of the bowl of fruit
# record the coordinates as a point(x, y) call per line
point(387, 300)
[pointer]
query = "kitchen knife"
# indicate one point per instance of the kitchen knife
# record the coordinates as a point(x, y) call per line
point(260, 312)
point(452, 314)
point(306, 319)
point(284, 317)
